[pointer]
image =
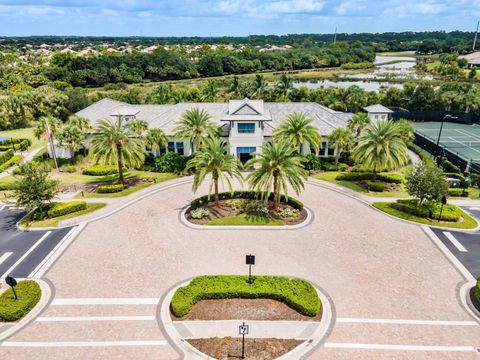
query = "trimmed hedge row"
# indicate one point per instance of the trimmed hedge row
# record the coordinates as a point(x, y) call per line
point(60, 209)
point(357, 176)
point(7, 155)
point(477, 291)
point(7, 185)
point(20, 144)
point(241, 194)
point(449, 212)
point(13, 161)
point(296, 293)
point(99, 170)
point(375, 186)
point(107, 189)
point(12, 309)
point(458, 192)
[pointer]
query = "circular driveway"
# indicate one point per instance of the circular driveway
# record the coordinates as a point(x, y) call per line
point(372, 266)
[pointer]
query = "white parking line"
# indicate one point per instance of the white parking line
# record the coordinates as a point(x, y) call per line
point(26, 254)
point(83, 343)
point(5, 257)
point(106, 301)
point(408, 322)
point(474, 208)
point(400, 347)
point(95, 318)
point(454, 241)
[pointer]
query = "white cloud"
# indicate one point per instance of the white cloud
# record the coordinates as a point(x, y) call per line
point(350, 8)
point(295, 6)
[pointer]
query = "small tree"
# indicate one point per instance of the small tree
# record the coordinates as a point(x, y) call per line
point(34, 188)
point(71, 137)
point(427, 183)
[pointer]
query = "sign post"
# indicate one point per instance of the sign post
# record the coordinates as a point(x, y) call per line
point(250, 260)
point(12, 283)
point(444, 201)
point(243, 330)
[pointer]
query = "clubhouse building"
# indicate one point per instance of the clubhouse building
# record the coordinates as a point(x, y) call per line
point(244, 124)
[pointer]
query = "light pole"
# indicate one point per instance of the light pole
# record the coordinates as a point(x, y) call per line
point(446, 117)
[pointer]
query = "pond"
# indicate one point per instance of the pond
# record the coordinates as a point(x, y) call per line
point(366, 85)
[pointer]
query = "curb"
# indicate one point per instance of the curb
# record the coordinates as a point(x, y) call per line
point(319, 336)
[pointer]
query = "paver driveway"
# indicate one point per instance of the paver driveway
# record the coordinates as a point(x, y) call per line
point(373, 267)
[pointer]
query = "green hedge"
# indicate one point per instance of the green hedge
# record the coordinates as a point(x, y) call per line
point(170, 163)
point(28, 293)
point(296, 293)
point(7, 185)
point(241, 194)
point(358, 176)
point(375, 186)
point(7, 155)
point(458, 192)
point(477, 291)
point(20, 144)
point(13, 161)
point(99, 170)
point(449, 212)
point(107, 189)
point(60, 209)
point(455, 176)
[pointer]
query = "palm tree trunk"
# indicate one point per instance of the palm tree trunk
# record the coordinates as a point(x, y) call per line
point(337, 155)
point(374, 173)
point(215, 185)
point(120, 164)
point(275, 193)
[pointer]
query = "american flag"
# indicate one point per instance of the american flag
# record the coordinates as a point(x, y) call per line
point(48, 133)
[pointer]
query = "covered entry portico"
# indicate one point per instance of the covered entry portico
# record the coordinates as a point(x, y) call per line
point(245, 153)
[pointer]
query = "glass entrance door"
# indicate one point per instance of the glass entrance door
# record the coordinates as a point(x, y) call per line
point(245, 153)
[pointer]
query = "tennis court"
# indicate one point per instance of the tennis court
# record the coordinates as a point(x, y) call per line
point(461, 139)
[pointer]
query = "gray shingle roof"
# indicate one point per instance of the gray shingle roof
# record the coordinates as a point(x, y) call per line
point(166, 116)
point(377, 109)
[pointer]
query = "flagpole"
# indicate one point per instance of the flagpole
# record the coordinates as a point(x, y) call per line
point(50, 140)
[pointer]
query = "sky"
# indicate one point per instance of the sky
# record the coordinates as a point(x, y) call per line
point(231, 17)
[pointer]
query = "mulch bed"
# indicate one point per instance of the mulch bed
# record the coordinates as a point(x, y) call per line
point(389, 187)
point(222, 210)
point(255, 349)
point(128, 183)
point(245, 309)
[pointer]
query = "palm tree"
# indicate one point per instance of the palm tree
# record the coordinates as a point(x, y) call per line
point(210, 91)
point(358, 122)
point(83, 125)
point(195, 125)
point(156, 138)
point(277, 166)
point(284, 86)
point(381, 147)
point(259, 85)
point(137, 126)
point(71, 137)
point(235, 86)
point(113, 141)
point(407, 131)
point(297, 129)
point(214, 159)
point(53, 123)
point(342, 139)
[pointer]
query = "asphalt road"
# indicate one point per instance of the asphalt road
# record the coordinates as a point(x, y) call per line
point(22, 251)
point(464, 245)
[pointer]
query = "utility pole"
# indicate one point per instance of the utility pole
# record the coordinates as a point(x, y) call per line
point(335, 36)
point(476, 35)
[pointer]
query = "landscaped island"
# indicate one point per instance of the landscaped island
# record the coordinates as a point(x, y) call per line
point(245, 208)
point(11, 309)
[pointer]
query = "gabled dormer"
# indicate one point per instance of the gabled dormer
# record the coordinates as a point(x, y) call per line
point(246, 117)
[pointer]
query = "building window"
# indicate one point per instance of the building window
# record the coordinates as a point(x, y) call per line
point(163, 150)
point(246, 149)
point(171, 146)
point(323, 147)
point(246, 128)
point(179, 148)
point(331, 151)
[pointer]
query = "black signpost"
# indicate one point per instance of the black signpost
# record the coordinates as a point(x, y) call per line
point(12, 283)
point(243, 330)
point(250, 260)
point(444, 201)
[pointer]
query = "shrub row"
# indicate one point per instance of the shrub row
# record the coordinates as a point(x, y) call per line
point(449, 212)
point(13, 161)
point(107, 189)
point(375, 186)
point(170, 163)
point(6, 185)
point(240, 194)
point(357, 176)
point(12, 309)
point(458, 192)
point(7, 155)
point(99, 170)
point(455, 176)
point(477, 291)
point(22, 144)
point(296, 293)
point(60, 209)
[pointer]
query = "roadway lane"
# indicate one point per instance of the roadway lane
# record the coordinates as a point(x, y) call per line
point(22, 251)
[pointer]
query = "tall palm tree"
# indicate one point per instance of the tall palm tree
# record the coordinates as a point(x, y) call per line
point(210, 91)
point(137, 126)
point(235, 86)
point(284, 86)
point(259, 85)
point(407, 131)
point(214, 159)
point(358, 122)
point(342, 139)
point(195, 125)
point(381, 147)
point(276, 167)
point(297, 129)
point(156, 138)
point(113, 141)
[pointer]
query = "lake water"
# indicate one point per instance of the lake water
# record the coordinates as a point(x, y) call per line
point(366, 85)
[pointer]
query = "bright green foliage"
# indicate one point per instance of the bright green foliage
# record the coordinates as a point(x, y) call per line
point(276, 167)
point(156, 138)
point(375, 186)
point(13, 161)
point(7, 155)
point(99, 170)
point(28, 293)
point(170, 163)
point(195, 125)
point(358, 122)
point(284, 86)
point(342, 140)
point(458, 192)
point(34, 188)
point(477, 291)
point(246, 220)
point(296, 293)
point(137, 126)
point(449, 212)
point(114, 142)
point(297, 129)
point(427, 183)
point(65, 208)
point(407, 131)
point(71, 137)
point(53, 123)
point(107, 189)
point(213, 159)
point(357, 176)
point(199, 213)
point(380, 147)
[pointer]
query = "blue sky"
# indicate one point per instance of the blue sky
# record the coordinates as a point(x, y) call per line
point(231, 17)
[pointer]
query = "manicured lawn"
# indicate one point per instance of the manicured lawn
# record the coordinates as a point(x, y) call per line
point(296, 293)
point(66, 178)
point(125, 192)
point(246, 220)
point(11, 309)
point(25, 134)
point(54, 221)
point(467, 223)
point(397, 53)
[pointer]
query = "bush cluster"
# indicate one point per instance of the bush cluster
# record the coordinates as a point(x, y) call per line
point(100, 170)
point(458, 192)
point(170, 163)
point(6, 185)
point(20, 144)
point(199, 213)
point(449, 212)
point(68, 168)
point(358, 176)
point(13, 161)
point(241, 194)
point(313, 162)
point(477, 291)
point(296, 293)
point(107, 189)
point(375, 186)
point(28, 293)
point(60, 209)
point(7, 155)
